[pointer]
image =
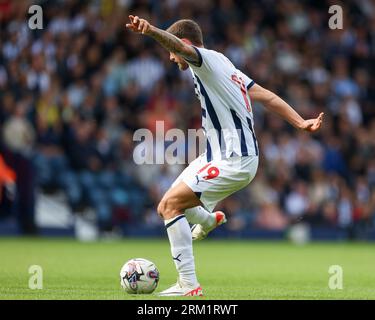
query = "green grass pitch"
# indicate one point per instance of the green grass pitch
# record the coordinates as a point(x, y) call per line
point(242, 270)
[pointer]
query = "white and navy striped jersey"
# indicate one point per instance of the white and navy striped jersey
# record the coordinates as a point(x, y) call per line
point(227, 117)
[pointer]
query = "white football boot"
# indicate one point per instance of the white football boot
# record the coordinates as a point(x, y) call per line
point(180, 289)
point(199, 233)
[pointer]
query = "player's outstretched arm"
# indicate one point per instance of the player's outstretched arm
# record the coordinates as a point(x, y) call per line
point(277, 105)
point(166, 39)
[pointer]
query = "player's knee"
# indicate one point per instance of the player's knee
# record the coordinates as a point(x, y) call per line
point(161, 207)
point(168, 208)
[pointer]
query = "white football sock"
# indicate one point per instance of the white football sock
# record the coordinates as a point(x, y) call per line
point(199, 215)
point(179, 235)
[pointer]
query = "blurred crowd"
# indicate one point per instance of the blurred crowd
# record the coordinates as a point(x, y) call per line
point(73, 93)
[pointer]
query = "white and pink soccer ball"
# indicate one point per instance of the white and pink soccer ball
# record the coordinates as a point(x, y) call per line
point(139, 276)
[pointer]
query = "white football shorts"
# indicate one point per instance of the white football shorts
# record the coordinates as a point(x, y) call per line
point(215, 180)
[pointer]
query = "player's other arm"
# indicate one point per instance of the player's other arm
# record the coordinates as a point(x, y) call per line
point(277, 105)
point(166, 39)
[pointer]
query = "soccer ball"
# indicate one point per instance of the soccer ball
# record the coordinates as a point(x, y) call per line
point(139, 276)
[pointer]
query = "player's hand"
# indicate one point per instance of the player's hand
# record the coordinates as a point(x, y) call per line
point(312, 125)
point(138, 25)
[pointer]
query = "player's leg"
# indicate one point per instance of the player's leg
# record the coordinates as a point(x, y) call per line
point(171, 208)
point(176, 200)
point(198, 214)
